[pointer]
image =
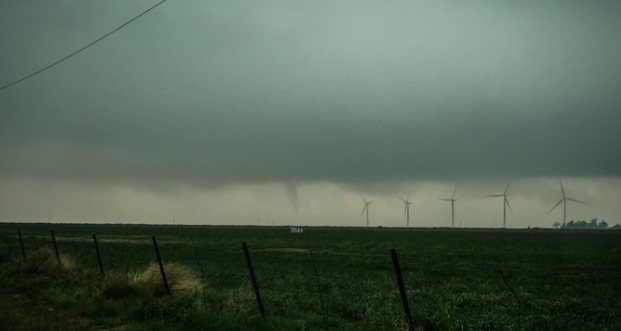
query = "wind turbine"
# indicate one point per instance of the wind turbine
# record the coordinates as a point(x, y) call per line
point(407, 209)
point(564, 201)
point(452, 201)
point(505, 204)
point(366, 208)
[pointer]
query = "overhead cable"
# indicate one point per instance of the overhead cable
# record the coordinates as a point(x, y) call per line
point(81, 49)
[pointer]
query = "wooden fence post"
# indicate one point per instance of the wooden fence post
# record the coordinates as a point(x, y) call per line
point(101, 269)
point(404, 296)
point(159, 261)
point(254, 280)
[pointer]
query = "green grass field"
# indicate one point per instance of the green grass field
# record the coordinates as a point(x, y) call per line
point(456, 279)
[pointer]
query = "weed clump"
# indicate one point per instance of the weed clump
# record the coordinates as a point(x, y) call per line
point(239, 302)
point(45, 262)
point(179, 277)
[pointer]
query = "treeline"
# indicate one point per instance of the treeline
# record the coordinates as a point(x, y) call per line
point(594, 224)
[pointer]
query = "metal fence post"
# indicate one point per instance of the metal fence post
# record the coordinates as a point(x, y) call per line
point(101, 270)
point(159, 261)
point(404, 296)
point(21, 243)
point(254, 280)
point(55, 247)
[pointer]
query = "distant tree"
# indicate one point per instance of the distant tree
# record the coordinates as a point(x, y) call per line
point(616, 227)
point(593, 224)
point(581, 224)
point(556, 225)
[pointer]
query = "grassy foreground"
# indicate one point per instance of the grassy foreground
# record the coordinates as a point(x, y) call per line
point(456, 279)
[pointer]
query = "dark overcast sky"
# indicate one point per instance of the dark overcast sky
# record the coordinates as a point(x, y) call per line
point(346, 92)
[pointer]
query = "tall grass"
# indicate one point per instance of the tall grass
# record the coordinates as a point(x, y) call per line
point(180, 279)
point(45, 262)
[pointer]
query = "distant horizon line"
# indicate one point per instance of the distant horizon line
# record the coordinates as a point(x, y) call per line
point(610, 227)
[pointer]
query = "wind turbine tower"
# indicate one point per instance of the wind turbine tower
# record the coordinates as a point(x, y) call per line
point(505, 204)
point(407, 209)
point(366, 208)
point(452, 201)
point(564, 201)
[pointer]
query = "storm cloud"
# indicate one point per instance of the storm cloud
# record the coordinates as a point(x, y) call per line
point(207, 94)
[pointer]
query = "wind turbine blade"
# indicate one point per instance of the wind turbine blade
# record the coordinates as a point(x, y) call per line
point(363, 209)
point(370, 202)
point(574, 200)
point(402, 199)
point(562, 189)
point(363, 199)
point(405, 210)
point(556, 205)
point(495, 195)
point(508, 205)
point(507, 188)
point(446, 199)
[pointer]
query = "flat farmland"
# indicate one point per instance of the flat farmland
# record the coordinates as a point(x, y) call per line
point(322, 279)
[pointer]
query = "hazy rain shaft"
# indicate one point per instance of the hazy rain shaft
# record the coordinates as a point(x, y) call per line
point(223, 112)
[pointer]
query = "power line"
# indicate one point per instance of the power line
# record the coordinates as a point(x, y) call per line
point(83, 48)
